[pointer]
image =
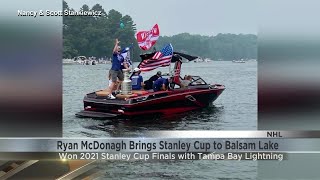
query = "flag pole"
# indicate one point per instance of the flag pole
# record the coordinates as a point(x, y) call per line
point(170, 73)
point(170, 69)
point(131, 58)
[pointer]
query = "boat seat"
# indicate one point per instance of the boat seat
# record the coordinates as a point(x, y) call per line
point(135, 93)
point(102, 92)
point(140, 92)
point(123, 96)
point(118, 96)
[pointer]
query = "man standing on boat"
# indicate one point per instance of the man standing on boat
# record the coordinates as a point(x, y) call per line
point(116, 71)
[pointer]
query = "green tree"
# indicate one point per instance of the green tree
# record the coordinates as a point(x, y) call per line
point(94, 36)
point(221, 46)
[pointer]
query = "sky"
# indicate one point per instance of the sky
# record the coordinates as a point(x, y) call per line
point(204, 17)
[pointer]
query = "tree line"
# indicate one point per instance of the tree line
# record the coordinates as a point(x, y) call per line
point(221, 46)
point(94, 36)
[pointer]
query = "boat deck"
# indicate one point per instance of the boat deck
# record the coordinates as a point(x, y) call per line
point(120, 98)
point(101, 96)
point(103, 93)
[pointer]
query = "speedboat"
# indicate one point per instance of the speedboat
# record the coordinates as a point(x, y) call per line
point(68, 61)
point(239, 61)
point(92, 61)
point(81, 60)
point(197, 60)
point(207, 60)
point(200, 60)
point(178, 99)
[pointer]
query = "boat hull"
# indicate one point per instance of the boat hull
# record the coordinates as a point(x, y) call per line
point(164, 102)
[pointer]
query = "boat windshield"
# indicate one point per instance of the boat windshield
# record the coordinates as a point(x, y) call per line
point(197, 80)
point(82, 57)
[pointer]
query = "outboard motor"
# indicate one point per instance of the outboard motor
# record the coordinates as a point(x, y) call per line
point(126, 86)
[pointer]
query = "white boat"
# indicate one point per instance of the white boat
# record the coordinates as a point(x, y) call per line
point(68, 61)
point(207, 60)
point(239, 61)
point(81, 60)
point(91, 61)
point(198, 60)
point(202, 60)
point(84, 61)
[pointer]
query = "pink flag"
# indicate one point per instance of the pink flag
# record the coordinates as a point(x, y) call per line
point(146, 39)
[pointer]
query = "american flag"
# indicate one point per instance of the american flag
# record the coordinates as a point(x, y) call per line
point(125, 53)
point(160, 59)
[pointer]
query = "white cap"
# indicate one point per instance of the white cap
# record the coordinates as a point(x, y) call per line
point(136, 69)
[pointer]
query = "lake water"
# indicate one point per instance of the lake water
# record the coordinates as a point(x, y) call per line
point(235, 109)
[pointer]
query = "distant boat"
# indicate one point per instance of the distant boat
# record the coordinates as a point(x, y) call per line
point(84, 61)
point(207, 60)
point(68, 61)
point(239, 61)
point(198, 60)
point(91, 61)
point(81, 60)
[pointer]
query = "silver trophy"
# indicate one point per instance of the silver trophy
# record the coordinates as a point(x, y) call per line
point(126, 87)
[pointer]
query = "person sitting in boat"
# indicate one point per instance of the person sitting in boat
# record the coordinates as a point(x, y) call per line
point(186, 81)
point(160, 84)
point(115, 71)
point(149, 83)
point(136, 79)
